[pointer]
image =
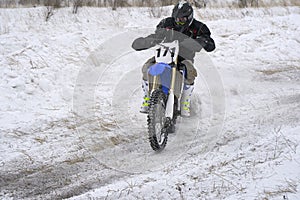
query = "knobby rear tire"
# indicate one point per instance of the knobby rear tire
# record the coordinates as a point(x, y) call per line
point(156, 113)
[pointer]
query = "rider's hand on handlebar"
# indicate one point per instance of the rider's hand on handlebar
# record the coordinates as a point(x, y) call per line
point(202, 41)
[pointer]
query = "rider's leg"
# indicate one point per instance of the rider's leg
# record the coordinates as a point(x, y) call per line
point(146, 98)
point(146, 66)
point(145, 86)
point(188, 88)
point(186, 100)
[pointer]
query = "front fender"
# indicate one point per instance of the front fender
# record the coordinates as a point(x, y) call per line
point(164, 71)
point(158, 69)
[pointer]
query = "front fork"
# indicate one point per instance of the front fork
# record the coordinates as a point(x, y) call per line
point(154, 83)
point(170, 103)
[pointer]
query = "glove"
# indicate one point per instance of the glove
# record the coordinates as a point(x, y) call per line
point(142, 43)
point(207, 43)
point(191, 44)
point(202, 41)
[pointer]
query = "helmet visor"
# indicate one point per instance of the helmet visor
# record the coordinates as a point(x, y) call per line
point(181, 20)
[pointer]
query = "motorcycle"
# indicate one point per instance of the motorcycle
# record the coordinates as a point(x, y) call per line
point(166, 82)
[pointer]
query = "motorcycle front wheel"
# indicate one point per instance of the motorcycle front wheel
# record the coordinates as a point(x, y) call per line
point(157, 130)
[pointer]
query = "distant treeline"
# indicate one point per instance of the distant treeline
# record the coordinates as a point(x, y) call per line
point(93, 3)
point(145, 3)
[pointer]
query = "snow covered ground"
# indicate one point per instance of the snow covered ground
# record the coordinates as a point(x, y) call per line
point(69, 120)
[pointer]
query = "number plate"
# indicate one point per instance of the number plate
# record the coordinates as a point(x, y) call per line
point(167, 52)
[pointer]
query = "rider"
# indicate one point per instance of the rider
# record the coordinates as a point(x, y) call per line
point(192, 35)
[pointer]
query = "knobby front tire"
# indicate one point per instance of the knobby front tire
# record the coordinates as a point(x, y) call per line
point(158, 134)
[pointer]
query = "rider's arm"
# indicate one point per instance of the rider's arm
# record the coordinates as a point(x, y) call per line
point(204, 39)
point(151, 40)
point(142, 43)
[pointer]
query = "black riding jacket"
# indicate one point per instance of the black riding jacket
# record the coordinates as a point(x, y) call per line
point(168, 31)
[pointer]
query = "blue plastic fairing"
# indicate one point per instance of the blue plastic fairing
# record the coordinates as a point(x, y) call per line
point(158, 68)
point(164, 71)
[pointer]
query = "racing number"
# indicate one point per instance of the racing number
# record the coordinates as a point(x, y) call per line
point(166, 50)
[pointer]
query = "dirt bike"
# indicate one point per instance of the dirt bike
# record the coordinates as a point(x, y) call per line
point(166, 82)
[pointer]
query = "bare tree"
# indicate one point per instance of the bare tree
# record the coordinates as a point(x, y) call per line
point(155, 8)
point(242, 3)
point(114, 4)
point(199, 3)
point(53, 3)
point(49, 12)
point(7, 3)
point(76, 5)
point(105, 3)
point(254, 3)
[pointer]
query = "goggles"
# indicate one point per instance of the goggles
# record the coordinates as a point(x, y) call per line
point(181, 20)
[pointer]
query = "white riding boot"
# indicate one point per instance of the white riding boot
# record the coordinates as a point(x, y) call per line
point(185, 101)
point(146, 98)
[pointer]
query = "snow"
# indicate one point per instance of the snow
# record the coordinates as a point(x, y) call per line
point(71, 90)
